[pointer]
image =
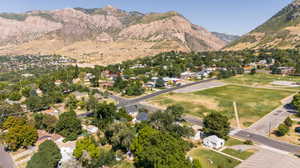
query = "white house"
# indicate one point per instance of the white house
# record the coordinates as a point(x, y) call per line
point(213, 142)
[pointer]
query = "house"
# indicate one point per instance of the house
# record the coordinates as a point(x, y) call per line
point(90, 129)
point(149, 85)
point(139, 117)
point(58, 82)
point(213, 142)
point(27, 75)
point(187, 75)
point(286, 70)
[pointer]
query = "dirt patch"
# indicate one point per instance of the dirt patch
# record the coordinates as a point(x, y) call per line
point(207, 102)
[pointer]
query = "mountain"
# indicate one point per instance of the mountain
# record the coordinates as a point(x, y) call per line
point(280, 31)
point(228, 38)
point(101, 35)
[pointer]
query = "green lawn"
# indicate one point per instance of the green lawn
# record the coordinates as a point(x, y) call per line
point(233, 142)
point(259, 79)
point(239, 154)
point(252, 103)
point(211, 159)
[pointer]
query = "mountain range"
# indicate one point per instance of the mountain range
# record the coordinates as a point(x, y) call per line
point(280, 31)
point(102, 35)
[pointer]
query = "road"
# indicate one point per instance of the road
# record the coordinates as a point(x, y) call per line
point(5, 159)
point(295, 149)
point(149, 96)
point(265, 158)
point(272, 120)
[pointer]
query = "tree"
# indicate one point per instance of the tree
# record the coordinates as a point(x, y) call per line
point(134, 88)
point(288, 122)
point(20, 136)
point(216, 124)
point(282, 130)
point(48, 156)
point(196, 164)
point(167, 121)
point(88, 145)
point(13, 121)
point(7, 109)
point(36, 103)
point(69, 126)
point(153, 148)
point(296, 101)
point(104, 114)
point(159, 83)
point(45, 121)
point(15, 96)
point(120, 136)
point(71, 102)
point(253, 71)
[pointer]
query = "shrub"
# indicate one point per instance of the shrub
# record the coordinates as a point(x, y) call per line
point(282, 130)
point(288, 122)
point(248, 142)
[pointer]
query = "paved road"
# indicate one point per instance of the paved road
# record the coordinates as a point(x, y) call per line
point(268, 142)
point(269, 159)
point(137, 100)
point(201, 86)
point(5, 159)
point(272, 120)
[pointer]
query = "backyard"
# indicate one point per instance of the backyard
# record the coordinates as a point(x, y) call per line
point(252, 103)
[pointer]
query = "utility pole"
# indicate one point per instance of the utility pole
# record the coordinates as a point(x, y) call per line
point(236, 115)
point(270, 128)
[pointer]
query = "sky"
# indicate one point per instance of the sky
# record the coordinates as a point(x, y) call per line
point(226, 16)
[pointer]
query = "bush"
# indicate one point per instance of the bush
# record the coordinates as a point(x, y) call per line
point(248, 142)
point(15, 96)
point(288, 122)
point(282, 130)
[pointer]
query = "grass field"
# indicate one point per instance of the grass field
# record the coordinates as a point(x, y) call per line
point(211, 159)
point(252, 103)
point(239, 154)
point(261, 79)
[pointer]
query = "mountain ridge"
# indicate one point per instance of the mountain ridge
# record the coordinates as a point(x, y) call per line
point(280, 31)
point(101, 31)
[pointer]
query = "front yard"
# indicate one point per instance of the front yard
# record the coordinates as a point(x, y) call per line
point(211, 159)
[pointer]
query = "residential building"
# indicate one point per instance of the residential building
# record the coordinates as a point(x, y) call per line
point(213, 142)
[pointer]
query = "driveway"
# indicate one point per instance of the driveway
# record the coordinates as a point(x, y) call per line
point(5, 159)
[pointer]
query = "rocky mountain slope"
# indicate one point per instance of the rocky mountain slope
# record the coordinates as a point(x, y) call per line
point(101, 35)
point(280, 31)
point(228, 38)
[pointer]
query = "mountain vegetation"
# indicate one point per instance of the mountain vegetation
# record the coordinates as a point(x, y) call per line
point(280, 31)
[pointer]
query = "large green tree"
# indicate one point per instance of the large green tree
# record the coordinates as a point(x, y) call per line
point(20, 134)
point(45, 121)
point(153, 148)
point(216, 124)
point(69, 126)
point(47, 156)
